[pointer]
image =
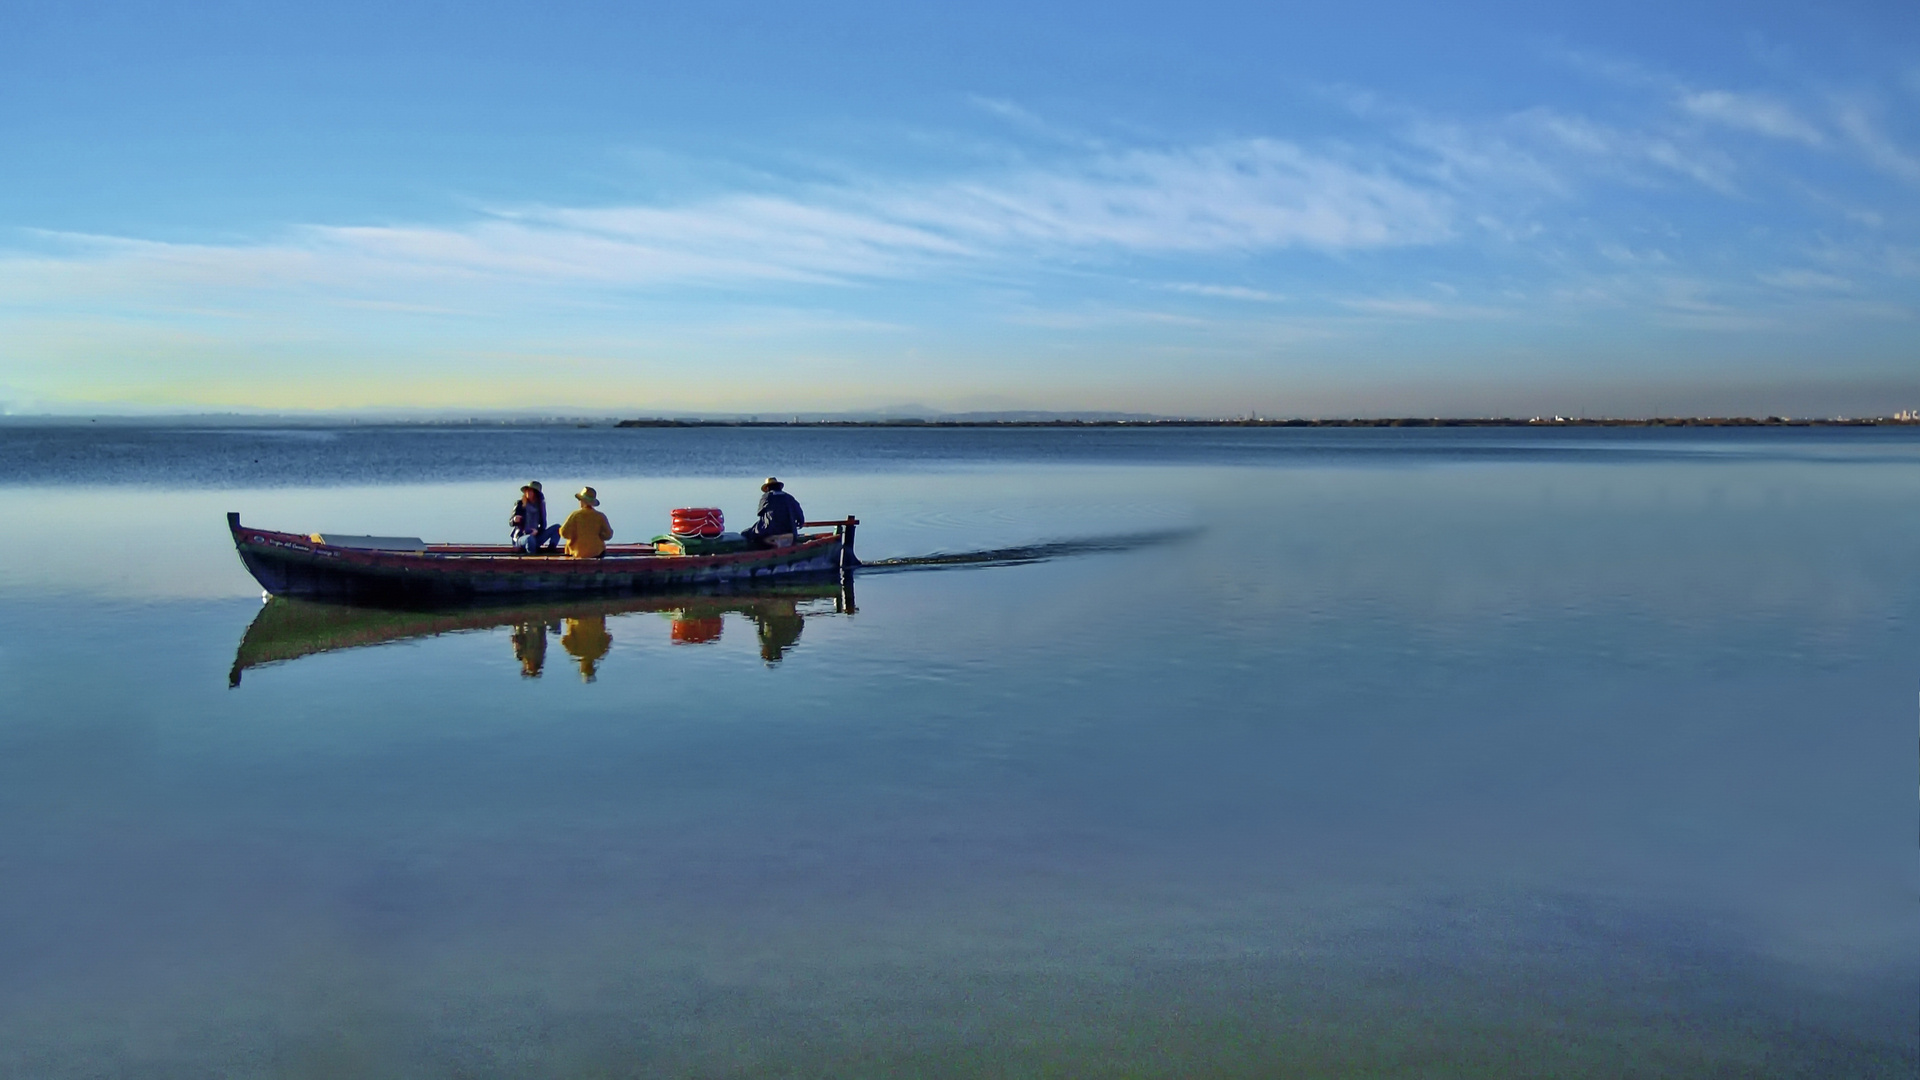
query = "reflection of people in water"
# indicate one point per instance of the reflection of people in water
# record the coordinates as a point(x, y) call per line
point(290, 629)
point(530, 648)
point(779, 623)
point(587, 640)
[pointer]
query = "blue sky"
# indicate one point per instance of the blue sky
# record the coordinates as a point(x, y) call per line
point(1185, 209)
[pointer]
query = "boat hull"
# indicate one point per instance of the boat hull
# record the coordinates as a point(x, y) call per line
point(290, 564)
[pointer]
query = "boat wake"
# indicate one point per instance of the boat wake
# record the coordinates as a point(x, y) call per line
point(1031, 553)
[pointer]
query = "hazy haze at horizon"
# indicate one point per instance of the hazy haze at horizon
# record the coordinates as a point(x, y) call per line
point(1492, 210)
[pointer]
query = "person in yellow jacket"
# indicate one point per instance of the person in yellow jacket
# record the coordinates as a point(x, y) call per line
point(586, 530)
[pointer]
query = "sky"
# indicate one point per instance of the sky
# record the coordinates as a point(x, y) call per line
point(1183, 209)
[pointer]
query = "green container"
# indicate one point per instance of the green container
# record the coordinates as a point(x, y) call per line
point(699, 545)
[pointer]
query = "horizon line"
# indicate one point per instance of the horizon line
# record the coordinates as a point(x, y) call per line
point(982, 419)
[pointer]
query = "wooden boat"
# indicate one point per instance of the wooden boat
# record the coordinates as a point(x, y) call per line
point(288, 629)
point(394, 570)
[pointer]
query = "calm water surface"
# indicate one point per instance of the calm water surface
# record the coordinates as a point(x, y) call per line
point(1369, 753)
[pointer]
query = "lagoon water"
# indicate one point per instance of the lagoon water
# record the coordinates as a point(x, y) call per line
point(1358, 753)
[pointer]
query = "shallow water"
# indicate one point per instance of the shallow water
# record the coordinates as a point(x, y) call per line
point(1368, 753)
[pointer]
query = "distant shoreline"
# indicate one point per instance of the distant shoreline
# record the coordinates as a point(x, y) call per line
point(1377, 422)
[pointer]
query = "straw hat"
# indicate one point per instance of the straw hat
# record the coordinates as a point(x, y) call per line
point(772, 484)
point(588, 495)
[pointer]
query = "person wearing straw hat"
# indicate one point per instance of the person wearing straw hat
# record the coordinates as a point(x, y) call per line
point(527, 525)
point(586, 530)
point(778, 519)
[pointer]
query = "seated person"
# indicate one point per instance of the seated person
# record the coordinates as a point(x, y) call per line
point(779, 520)
point(586, 530)
point(527, 525)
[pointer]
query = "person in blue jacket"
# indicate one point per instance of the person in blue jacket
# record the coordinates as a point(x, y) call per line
point(779, 517)
point(527, 525)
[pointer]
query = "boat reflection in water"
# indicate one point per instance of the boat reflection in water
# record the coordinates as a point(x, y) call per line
point(288, 629)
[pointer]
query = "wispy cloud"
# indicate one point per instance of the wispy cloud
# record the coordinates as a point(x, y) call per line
point(1104, 317)
point(1700, 305)
point(1806, 280)
point(1614, 69)
point(1225, 292)
point(1245, 196)
point(1010, 111)
point(1882, 151)
point(1621, 253)
point(1466, 157)
point(1751, 112)
point(1707, 168)
point(1628, 151)
point(1026, 121)
point(1757, 112)
point(1416, 308)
